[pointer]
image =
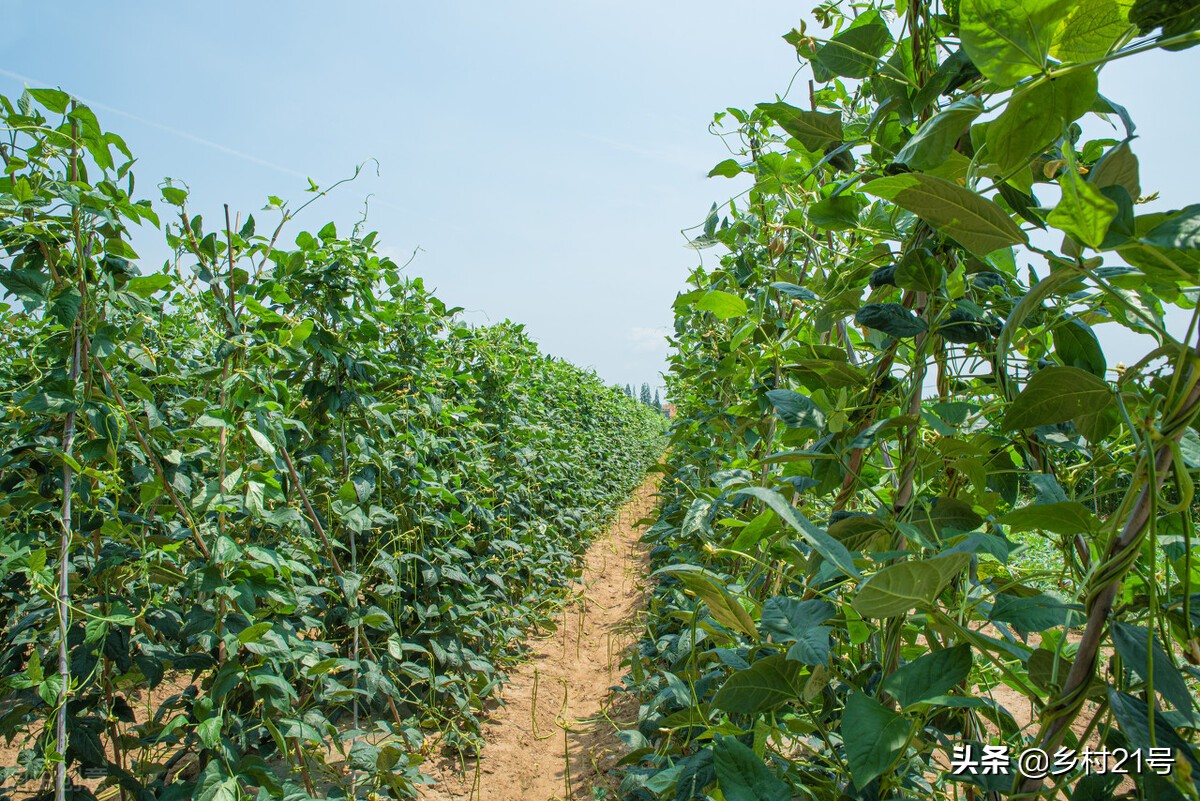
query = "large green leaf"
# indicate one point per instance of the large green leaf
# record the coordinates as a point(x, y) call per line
point(1134, 718)
point(1118, 167)
point(1064, 517)
point(1161, 263)
point(799, 622)
point(1057, 395)
point(1083, 211)
point(1091, 29)
point(1035, 117)
point(902, 587)
point(741, 775)
point(892, 319)
point(764, 685)
point(1180, 231)
point(1010, 39)
point(855, 52)
point(796, 410)
point(1076, 345)
point(929, 676)
point(933, 142)
point(723, 305)
point(873, 736)
point(1132, 643)
point(815, 130)
point(709, 588)
point(975, 222)
point(829, 548)
point(1037, 613)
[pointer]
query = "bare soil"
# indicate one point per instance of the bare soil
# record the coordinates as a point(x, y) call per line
point(554, 737)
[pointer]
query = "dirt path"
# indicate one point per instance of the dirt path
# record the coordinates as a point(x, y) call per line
point(573, 740)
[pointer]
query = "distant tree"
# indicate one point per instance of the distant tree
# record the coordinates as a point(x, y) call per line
point(646, 394)
point(657, 401)
point(628, 391)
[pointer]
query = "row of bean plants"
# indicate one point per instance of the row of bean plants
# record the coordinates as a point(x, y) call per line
point(273, 519)
point(889, 381)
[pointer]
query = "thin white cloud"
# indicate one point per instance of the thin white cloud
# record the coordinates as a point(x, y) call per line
point(28, 81)
point(648, 340)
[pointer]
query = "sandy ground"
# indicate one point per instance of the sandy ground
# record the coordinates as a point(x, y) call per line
point(554, 737)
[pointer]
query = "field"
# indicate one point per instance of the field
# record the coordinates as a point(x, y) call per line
point(277, 522)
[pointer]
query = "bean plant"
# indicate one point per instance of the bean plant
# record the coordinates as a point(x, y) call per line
point(892, 384)
point(273, 518)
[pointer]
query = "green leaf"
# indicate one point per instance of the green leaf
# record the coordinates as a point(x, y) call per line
point(1134, 718)
point(920, 271)
point(873, 736)
point(837, 213)
point(1131, 643)
point(1083, 211)
point(1180, 231)
point(829, 548)
point(302, 331)
point(1010, 39)
point(764, 685)
point(726, 169)
point(1064, 517)
point(1163, 264)
point(261, 440)
point(55, 100)
point(975, 222)
point(1076, 345)
point(1057, 395)
point(1038, 613)
point(929, 676)
point(814, 130)
point(65, 306)
point(1035, 117)
point(799, 622)
point(855, 52)
point(30, 286)
point(1118, 167)
point(1091, 29)
point(892, 319)
point(741, 775)
point(796, 410)
point(933, 142)
point(209, 731)
point(723, 305)
point(174, 195)
point(146, 285)
point(902, 587)
point(726, 609)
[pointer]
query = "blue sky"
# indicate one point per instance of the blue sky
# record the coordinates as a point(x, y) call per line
point(543, 156)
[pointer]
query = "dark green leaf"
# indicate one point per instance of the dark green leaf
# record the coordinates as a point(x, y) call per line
point(799, 622)
point(1010, 39)
point(873, 736)
point(1057, 395)
point(741, 775)
point(764, 685)
point(1131, 643)
point(933, 141)
point(902, 587)
point(929, 676)
point(1035, 118)
point(975, 222)
point(796, 410)
point(1076, 346)
point(814, 130)
point(892, 319)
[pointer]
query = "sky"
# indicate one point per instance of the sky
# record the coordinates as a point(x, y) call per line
point(543, 157)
